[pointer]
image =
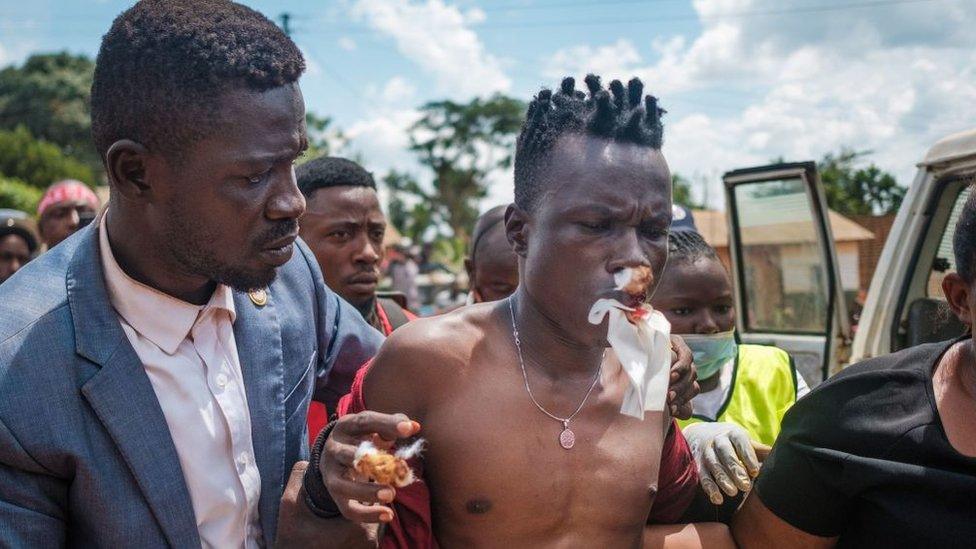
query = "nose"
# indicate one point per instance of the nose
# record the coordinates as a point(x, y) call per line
point(366, 252)
point(74, 218)
point(628, 252)
point(706, 324)
point(287, 202)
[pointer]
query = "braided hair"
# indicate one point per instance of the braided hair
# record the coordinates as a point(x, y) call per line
point(688, 246)
point(622, 114)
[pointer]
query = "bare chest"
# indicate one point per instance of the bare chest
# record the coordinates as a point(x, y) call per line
point(494, 459)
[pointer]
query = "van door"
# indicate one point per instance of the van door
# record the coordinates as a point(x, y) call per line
point(788, 290)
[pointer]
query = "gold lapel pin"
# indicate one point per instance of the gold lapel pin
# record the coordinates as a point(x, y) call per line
point(258, 297)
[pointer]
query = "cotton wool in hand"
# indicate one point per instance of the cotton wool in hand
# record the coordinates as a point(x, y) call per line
point(378, 465)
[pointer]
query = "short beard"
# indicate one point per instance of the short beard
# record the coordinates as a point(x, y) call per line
point(188, 246)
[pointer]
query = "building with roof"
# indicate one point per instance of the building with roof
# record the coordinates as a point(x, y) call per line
point(790, 237)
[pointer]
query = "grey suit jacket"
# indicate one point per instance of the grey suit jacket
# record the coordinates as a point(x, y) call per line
point(86, 458)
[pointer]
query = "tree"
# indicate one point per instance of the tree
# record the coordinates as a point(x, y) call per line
point(37, 162)
point(681, 192)
point(413, 221)
point(18, 195)
point(858, 191)
point(50, 95)
point(323, 138)
point(461, 144)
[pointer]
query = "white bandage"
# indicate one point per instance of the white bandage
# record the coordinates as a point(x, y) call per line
point(643, 348)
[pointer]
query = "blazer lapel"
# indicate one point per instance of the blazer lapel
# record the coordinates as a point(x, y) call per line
point(258, 336)
point(123, 399)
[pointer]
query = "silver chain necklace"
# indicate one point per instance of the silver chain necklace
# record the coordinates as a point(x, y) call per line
point(567, 439)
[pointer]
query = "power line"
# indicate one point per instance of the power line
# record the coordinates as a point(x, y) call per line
point(866, 4)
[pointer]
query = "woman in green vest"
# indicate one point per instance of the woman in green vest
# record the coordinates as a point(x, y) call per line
point(751, 386)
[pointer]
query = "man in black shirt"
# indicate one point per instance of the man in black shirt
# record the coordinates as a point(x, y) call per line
point(884, 453)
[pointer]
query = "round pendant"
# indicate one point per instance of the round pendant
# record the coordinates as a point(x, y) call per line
point(567, 438)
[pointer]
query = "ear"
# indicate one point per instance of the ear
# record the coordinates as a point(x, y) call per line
point(957, 293)
point(126, 163)
point(517, 229)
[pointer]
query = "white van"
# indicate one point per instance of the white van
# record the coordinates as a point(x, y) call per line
point(786, 272)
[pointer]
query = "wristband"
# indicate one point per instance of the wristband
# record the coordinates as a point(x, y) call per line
point(317, 497)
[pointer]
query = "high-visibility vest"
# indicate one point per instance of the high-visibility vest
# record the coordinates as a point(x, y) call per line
point(763, 389)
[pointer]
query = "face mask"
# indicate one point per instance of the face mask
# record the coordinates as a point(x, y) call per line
point(711, 351)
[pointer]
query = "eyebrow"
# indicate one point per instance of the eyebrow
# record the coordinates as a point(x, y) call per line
point(591, 209)
point(274, 158)
point(334, 222)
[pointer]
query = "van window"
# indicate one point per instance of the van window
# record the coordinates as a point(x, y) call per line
point(785, 272)
point(945, 261)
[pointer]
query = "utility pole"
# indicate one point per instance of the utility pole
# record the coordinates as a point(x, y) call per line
point(285, 19)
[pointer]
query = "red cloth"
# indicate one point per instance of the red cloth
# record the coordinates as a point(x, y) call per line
point(385, 320)
point(318, 414)
point(411, 528)
point(67, 190)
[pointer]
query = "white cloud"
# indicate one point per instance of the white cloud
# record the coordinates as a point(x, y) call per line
point(609, 61)
point(346, 43)
point(891, 80)
point(383, 139)
point(438, 38)
point(18, 53)
point(397, 89)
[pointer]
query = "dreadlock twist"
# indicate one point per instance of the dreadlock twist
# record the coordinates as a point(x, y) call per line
point(617, 115)
point(688, 246)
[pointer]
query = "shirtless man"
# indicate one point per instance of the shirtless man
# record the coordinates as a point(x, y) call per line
point(592, 197)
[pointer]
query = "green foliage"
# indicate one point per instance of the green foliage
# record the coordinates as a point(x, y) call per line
point(50, 95)
point(858, 191)
point(36, 162)
point(18, 195)
point(461, 144)
point(323, 138)
point(681, 192)
point(414, 221)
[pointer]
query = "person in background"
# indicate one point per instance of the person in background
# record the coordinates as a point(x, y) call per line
point(403, 273)
point(492, 266)
point(344, 227)
point(65, 207)
point(18, 243)
point(749, 386)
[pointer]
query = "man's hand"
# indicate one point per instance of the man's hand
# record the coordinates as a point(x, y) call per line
point(298, 527)
point(361, 502)
point(684, 379)
point(725, 457)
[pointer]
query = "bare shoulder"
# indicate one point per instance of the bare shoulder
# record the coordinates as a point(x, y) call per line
point(423, 358)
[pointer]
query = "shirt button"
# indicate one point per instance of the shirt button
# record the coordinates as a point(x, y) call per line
point(242, 461)
point(221, 380)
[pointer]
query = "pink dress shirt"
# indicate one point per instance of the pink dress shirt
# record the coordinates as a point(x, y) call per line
point(190, 356)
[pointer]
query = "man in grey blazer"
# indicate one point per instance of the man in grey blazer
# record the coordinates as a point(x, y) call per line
point(156, 367)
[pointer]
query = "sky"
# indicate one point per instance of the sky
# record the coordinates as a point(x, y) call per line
point(743, 81)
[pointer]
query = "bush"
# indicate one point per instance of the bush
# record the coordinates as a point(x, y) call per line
point(37, 162)
point(18, 195)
